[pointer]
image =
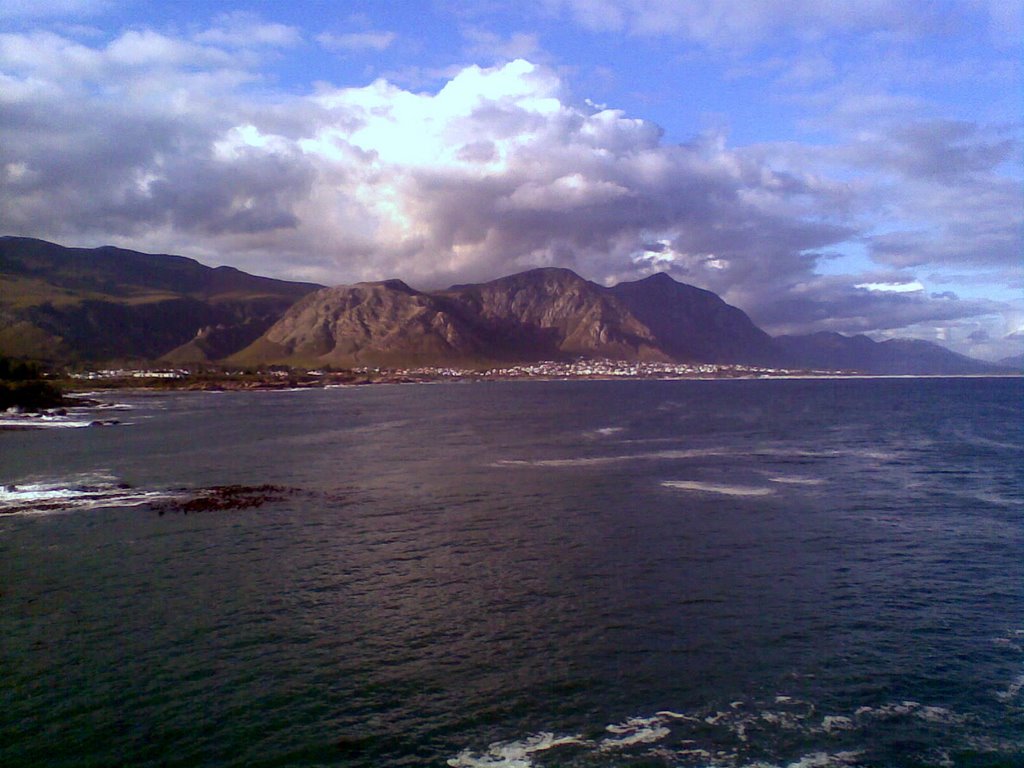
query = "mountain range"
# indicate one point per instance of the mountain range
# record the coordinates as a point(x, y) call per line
point(74, 305)
point(62, 304)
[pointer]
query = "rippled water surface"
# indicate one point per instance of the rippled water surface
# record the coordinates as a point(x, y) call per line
point(732, 573)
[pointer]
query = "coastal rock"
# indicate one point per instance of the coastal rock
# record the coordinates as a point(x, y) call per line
point(220, 498)
point(224, 498)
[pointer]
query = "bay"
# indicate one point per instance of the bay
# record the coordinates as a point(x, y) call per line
point(592, 573)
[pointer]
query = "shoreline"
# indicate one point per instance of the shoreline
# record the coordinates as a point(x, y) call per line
point(82, 388)
point(81, 393)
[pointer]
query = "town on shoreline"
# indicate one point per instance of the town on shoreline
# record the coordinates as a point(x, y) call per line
point(45, 390)
point(284, 377)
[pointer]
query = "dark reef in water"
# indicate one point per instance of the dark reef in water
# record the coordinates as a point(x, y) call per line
point(228, 497)
point(222, 498)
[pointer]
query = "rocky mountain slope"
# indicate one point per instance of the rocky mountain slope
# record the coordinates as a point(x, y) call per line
point(371, 324)
point(693, 324)
point(553, 314)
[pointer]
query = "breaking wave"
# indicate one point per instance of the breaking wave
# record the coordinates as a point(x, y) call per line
point(63, 418)
point(82, 491)
point(731, 737)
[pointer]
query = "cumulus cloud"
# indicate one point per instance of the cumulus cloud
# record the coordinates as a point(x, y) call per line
point(151, 141)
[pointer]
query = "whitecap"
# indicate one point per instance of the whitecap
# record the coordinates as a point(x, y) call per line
point(724, 490)
point(636, 730)
point(826, 760)
point(980, 441)
point(591, 461)
point(512, 754)
point(676, 715)
point(995, 499)
point(796, 480)
point(914, 709)
point(43, 421)
point(834, 723)
point(1013, 690)
point(82, 491)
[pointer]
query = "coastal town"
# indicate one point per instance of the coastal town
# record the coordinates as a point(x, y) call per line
point(280, 377)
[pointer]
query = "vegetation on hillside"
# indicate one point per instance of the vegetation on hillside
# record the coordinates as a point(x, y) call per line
point(22, 386)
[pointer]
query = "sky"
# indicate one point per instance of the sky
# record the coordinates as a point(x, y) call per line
point(852, 167)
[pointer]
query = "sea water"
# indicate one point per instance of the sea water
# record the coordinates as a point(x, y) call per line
point(586, 573)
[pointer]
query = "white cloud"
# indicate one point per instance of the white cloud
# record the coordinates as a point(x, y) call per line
point(485, 46)
point(357, 42)
point(142, 48)
point(911, 286)
point(35, 9)
point(732, 22)
point(735, 24)
point(245, 30)
point(152, 142)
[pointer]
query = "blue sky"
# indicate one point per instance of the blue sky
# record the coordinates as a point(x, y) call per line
point(852, 167)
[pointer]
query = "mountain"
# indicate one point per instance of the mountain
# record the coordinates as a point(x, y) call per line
point(833, 351)
point(74, 304)
point(78, 304)
point(375, 324)
point(542, 314)
point(1014, 363)
point(550, 314)
point(693, 324)
point(554, 314)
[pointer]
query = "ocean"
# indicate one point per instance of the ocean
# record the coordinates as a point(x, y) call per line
point(800, 573)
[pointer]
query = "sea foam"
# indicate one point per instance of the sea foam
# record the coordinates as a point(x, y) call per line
point(512, 754)
point(82, 491)
point(593, 461)
point(723, 490)
point(728, 733)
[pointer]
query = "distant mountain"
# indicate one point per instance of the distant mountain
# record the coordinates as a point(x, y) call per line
point(98, 304)
point(1015, 363)
point(102, 304)
point(833, 351)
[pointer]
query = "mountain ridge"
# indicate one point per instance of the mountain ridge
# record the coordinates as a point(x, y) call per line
point(91, 305)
